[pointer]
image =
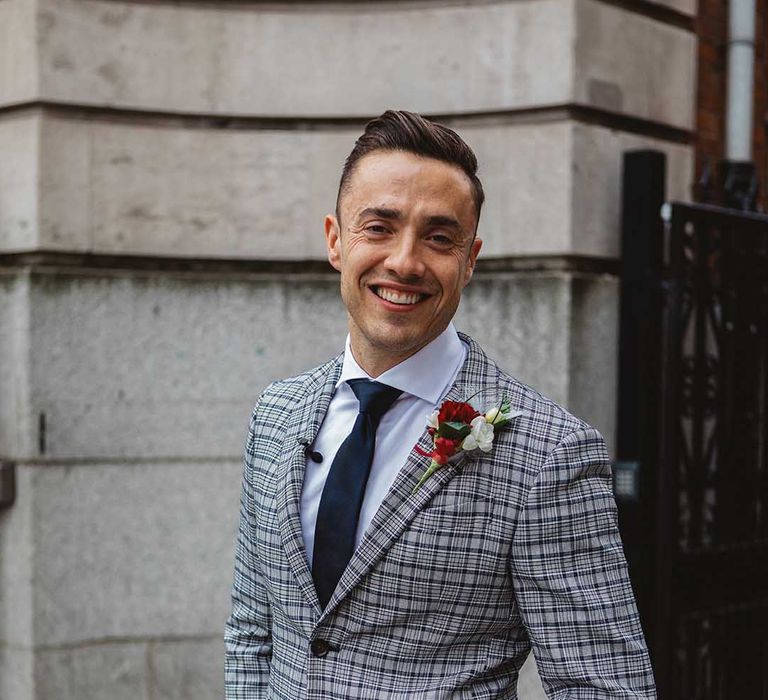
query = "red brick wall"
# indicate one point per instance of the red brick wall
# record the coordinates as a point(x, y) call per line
point(712, 31)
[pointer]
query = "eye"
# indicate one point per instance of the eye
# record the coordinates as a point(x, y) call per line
point(440, 239)
point(376, 229)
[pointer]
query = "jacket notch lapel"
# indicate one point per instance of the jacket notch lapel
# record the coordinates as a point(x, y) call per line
point(304, 424)
point(400, 506)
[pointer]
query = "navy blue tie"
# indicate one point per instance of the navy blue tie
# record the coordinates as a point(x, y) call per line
point(344, 488)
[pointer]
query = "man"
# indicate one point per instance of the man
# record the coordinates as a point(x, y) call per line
point(350, 582)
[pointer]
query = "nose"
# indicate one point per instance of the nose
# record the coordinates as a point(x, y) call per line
point(405, 257)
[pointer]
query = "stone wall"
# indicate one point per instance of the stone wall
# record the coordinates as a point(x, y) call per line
point(166, 167)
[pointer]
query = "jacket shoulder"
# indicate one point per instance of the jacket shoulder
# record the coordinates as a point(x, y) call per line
point(542, 428)
point(281, 396)
point(554, 420)
point(544, 422)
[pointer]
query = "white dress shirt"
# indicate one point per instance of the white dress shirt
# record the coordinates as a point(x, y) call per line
point(424, 379)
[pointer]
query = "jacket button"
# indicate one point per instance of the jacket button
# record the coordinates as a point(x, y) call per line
point(319, 647)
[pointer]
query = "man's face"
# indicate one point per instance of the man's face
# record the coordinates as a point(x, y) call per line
point(405, 251)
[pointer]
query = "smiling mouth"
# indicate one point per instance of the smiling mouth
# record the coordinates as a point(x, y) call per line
point(395, 297)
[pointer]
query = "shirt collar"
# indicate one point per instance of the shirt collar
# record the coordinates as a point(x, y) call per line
point(425, 374)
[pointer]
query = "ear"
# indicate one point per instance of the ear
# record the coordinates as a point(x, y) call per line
point(333, 241)
point(474, 251)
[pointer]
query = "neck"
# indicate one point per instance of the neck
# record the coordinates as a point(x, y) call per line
point(375, 359)
point(375, 364)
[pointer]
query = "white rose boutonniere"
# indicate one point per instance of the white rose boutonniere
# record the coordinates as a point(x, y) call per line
point(480, 436)
point(457, 427)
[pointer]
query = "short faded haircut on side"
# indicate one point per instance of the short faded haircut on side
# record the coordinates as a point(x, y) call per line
point(405, 131)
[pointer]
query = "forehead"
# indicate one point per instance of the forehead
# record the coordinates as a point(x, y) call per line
point(408, 181)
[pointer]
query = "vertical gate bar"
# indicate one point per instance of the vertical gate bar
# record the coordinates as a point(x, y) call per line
point(735, 428)
point(734, 510)
point(761, 473)
point(668, 459)
point(679, 667)
point(761, 658)
point(697, 476)
point(683, 676)
point(747, 467)
point(738, 473)
point(729, 366)
point(639, 380)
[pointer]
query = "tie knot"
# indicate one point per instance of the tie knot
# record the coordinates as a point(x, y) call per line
point(375, 398)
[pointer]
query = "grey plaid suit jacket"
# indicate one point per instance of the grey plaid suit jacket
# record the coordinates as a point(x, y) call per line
point(450, 587)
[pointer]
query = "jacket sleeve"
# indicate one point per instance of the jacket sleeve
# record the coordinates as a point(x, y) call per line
point(248, 633)
point(571, 579)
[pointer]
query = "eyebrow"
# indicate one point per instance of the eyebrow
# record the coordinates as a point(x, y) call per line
point(396, 215)
point(380, 213)
point(447, 221)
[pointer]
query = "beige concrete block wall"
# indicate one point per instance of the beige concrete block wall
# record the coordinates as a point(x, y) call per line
point(608, 44)
point(139, 366)
point(17, 591)
point(159, 56)
point(196, 132)
point(118, 554)
point(20, 199)
point(158, 189)
point(144, 555)
point(19, 66)
point(15, 381)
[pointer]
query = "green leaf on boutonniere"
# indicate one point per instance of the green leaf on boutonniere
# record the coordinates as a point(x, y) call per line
point(454, 430)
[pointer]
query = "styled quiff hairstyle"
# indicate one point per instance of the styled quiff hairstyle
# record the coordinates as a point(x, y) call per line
point(411, 133)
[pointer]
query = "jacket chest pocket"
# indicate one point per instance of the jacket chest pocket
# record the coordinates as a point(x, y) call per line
point(452, 553)
point(455, 538)
point(457, 518)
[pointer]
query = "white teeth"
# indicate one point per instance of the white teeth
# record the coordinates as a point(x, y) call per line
point(397, 297)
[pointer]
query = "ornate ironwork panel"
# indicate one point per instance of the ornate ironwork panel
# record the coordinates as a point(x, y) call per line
point(718, 351)
point(693, 427)
point(713, 462)
point(714, 446)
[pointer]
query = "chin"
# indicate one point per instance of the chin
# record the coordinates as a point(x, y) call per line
point(398, 343)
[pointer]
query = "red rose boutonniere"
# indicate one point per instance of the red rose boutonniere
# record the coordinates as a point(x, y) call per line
point(457, 427)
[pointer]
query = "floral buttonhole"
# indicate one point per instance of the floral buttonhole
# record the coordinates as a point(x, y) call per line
point(457, 427)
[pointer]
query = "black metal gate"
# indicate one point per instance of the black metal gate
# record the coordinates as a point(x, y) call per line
point(692, 470)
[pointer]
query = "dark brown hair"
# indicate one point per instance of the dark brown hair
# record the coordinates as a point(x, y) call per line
point(412, 133)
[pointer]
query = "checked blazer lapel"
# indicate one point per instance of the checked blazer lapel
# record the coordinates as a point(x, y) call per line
point(400, 505)
point(304, 424)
